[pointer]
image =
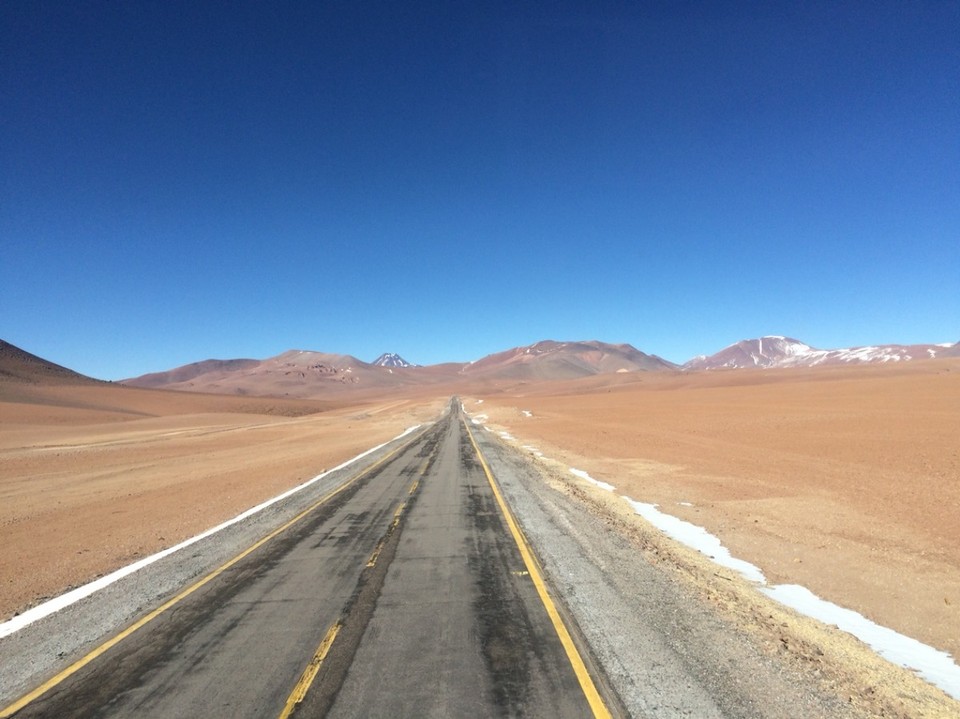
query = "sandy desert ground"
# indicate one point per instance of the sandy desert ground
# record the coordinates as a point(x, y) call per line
point(845, 480)
point(96, 476)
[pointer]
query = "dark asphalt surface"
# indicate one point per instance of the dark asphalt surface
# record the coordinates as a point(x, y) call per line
point(415, 566)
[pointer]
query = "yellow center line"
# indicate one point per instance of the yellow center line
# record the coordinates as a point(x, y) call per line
point(310, 673)
point(593, 697)
point(383, 540)
point(112, 642)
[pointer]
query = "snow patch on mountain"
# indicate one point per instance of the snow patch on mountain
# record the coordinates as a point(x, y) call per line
point(391, 359)
point(779, 351)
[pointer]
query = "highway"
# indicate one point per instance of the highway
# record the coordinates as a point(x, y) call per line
point(407, 591)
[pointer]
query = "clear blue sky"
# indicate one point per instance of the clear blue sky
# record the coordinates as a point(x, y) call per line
point(185, 180)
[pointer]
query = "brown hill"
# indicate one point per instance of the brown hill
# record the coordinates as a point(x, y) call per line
point(189, 372)
point(17, 365)
point(550, 360)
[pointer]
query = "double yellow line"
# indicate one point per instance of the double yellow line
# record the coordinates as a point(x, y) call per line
point(597, 705)
point(143, 621)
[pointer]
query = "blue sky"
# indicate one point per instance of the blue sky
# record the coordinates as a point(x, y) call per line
point(181, 181)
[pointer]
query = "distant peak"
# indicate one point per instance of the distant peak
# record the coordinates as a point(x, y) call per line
point(391, 359)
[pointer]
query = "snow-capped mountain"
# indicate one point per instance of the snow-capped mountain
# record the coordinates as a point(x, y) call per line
point(390, 359)
point(777, 351)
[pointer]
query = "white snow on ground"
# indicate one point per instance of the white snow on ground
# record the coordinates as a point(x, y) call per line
point(507, 436)
point(583, 475)
point(479, 419)
point(533, 450)
point(685, 504)
point(935, 666)
point(72, 597)
point(527, 413)
point(696, 537)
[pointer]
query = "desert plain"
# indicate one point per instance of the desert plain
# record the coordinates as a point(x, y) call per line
point(845, 480)
point(95, 476)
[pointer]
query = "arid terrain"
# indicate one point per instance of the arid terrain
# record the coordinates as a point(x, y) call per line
point(96, 475)
point(845, 480)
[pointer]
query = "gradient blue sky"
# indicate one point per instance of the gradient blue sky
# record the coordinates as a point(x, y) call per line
point(185, 180)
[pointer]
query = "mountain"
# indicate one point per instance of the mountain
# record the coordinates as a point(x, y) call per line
point(777, 351)
point(551, 360)
point(191, 371)
point(299, 373)
point(17, 365)
point(949, 351)
point(389, 359)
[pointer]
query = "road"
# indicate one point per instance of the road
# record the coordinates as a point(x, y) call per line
point(443, 575)
point(407, 592)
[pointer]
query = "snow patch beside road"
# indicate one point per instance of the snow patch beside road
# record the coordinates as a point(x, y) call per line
point(934, 665)
point(583, 475)
point(697, 538)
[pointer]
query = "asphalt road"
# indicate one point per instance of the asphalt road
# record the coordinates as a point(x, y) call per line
point(407, 593)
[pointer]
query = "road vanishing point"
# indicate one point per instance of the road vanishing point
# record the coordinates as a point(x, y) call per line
point(444, 574)
point(409, 590)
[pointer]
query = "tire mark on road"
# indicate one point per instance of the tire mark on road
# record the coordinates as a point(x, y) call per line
point(318, 686)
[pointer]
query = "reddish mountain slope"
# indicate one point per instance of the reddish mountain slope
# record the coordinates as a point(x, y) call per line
point(186, 373)
point(550, 360)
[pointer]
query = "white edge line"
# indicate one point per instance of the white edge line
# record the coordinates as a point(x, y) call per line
point(75, 595)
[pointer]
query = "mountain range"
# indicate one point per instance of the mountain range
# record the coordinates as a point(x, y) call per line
point(777, 351)
point(304, 373)
point(310, 374)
